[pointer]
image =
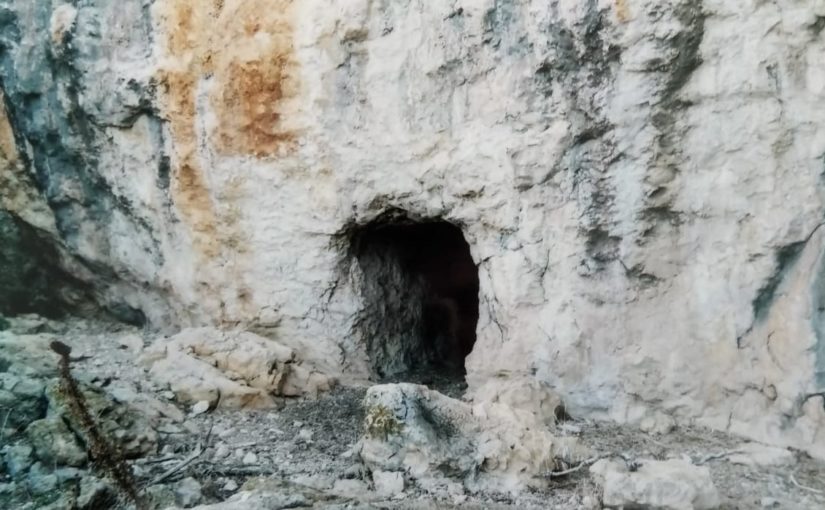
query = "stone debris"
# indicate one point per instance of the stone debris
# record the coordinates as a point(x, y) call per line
point(388, 483)
point(671, 485)
point(426, 434)
point(55, 444)
point(307, 453)
point(200, 408)
point(94, 493)
point(188, 492)
point(230, 369)
point(17, 458)
point(756, 454)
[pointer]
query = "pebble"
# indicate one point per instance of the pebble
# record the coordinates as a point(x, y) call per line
point(305, 435)
point(221, 451)
point(249, 459)
point(230, 486)
point(168, 395)
point(388, 483)
point(188, 492)
point(200, 408)
point(768, 502)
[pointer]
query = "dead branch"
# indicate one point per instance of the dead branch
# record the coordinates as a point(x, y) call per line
point(803, 487)
point(717, 456)
point(179, 466)
point(102, 453)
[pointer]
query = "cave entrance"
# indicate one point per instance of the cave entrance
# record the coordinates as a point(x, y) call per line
point(420, 291)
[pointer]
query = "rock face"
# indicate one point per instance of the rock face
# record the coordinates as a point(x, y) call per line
point(638, 182)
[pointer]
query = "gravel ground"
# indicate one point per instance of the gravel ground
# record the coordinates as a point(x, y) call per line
point(305, 445)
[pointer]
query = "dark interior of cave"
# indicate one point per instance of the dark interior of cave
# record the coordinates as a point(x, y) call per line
point(420, 287)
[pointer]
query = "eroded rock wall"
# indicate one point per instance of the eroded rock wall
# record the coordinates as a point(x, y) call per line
point(640, 182)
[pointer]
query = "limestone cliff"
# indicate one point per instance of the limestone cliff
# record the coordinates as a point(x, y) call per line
point(639, 182)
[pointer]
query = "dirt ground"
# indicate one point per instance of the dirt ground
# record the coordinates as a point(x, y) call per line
point(305, 447)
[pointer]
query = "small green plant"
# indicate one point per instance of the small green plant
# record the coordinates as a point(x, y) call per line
point(380, 422)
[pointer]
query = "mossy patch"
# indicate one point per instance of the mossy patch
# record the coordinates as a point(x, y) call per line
point(381, 423)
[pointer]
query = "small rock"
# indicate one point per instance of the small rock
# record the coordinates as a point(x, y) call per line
point(756, 454)
point(54, 443)
point(297, 424)
point(230, 486)
point(40, 481)
point(768, 502)
point(168, 395)
point(18, 459)
point(305, 435)
point(250, 459)
point(68, 474)
point(188, 492)
point(159, 496)
point(94, 493)
point(349, 488)
point(221, 451)
point(169, 428)
point(123, 393)
point(388, 483)
point(200, 408)
point(131, 342)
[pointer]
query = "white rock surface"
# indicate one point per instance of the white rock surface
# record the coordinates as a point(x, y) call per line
point(640, 183)
point(755, 454)
point(669, 485)
point(388, 483)
point(230, 369)
point(200, 408)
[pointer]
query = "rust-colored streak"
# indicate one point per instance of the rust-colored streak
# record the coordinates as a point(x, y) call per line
point(256, 79)
point(622, 11)
point(246, 48)
point(251, 97)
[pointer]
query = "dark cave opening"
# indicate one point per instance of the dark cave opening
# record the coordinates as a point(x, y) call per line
point(420, 290)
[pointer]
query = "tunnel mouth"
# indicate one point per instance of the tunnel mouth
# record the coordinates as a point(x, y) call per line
point(420, 298)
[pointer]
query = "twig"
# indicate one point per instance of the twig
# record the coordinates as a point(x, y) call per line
point(5, 420)
point(177, 467)
point(202, 446)
point(581, 465)
point(810, 489)
point(157, 460)
point(717, 456)
point(242, 470)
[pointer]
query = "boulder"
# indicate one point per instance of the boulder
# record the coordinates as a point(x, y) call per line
point(670, 485)
point(411, 428)
point(18, 458)
point(388, 483)
point(230, 369)
point(54, 443)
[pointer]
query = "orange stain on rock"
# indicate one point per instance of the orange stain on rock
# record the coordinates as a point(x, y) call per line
point(256, 78)
point(245, 47)
point(622, 11)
